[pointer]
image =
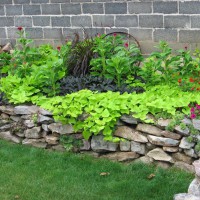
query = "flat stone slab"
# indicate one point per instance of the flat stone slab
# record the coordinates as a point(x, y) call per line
point(9, 137)
point(129, 119)
point(182, 157)
point(39, 143)
point(60, 128)
point(26, 110)
point(196, 165)
point(194, 188)
point(185, 196)
point(185, 144)
point(138, 147)
point(184, 166)
point(146, 128)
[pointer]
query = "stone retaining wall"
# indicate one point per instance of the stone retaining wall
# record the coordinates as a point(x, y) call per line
point(49, 21)
point(31, 125)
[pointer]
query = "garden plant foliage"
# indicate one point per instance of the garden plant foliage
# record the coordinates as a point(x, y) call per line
point(165, 84)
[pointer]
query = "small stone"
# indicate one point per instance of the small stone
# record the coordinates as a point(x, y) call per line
point(15, 118)
point(45, 127)
point(44, 134)
point(182, 157)
point(120, 123)
point(121, 156)
point(196, 124)
point(29, 123)
point(171, 135)
point(27, 117)
point(45, 112)
point(58, 147)
point(160, 155)
point(185, 196)
point(44, 119)
point(184, 166)
point(6, 127)
point(185, 144)
point(162, 141)
point(196, 165)
point(61, 129)
point(33, 133)
point(170, 149)
point(125, 145)
point(7, 109)
point(40, 143)
point(86, 145)
point(191, 153)
point(4, 116)
point(9, 137)
point(150, 146)
point(186, 121)
point(19, 134)
point(145, 159)
point(164, 165)
point(162, 123)
point(130, 134)
point(194, 188)
point(51, 139)
point(26, 110)
point(137, 147)
point(129, 119)
point(98, 144)
point(184, 132)
point(146, 128)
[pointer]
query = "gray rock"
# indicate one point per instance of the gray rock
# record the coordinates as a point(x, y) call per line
point(171, 135)
point(7, 109)
point(150, 146)
point(45, 112)
point(44, 119)
point(129, 119)
point(33, 133)
point(164, 165)
point(20, 134)
point(196, 165)
point(4, 116)
point(6, 127)
point(162, 123)
point(185, 196)
point(194, 188)
point(184, 166)
point(29, 123)
point(196, 124)
point(45, 127)
point(184, 132)
point(26, 110)
point(182, 157)
point(98, 144)
point(160, 155)
point(15, 118)
point(58, 147)
point(130, 134)
point(40, 143)
point(191, 153)
point(86, 145)
point(50, 139)
point(9, 137)
point(121, 156)
point(162, 141)
point(185, 144)
point(27, 117)
point(186, 121)
point(120, 123)
point(170, 149)
point(146, 128)
point(137, 147)
point(125, 145)
point(61, 129)
point(145, 159)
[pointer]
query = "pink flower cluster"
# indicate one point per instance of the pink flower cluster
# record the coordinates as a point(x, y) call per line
point(195, 111)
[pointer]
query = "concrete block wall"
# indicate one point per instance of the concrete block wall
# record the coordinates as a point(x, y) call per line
point(53, 21)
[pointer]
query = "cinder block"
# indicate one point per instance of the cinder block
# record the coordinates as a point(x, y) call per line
point(31, 9)
point(190, 36)
point(151, 21)
point(12, 32)
point(6, 21)
point(189, 7)
point(139, 7)
point(141, 34)
point(3, 2)
point(115, 8)
point(195, 21)
point(165, 34)
point(174, 21)
point(2, 33)
point(23, 21)
point(92, 32)
point(167, 7)
point(34, 33)
point(102, 0)
point(41, 21)
point(52, 33)
point(147, 47)
point(81, 21)
point(80, 1)
point(51, 9)
point(40, 42)
point(112, 30)
point(69, 33)
point(126, 21)
point(13, 9)
point(60, 21)
point(92, 8)
point(103, 20)
point(39, 1)
point(59, 1)
point(2, 12)
point(71, 9)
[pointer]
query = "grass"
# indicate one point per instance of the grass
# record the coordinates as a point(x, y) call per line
point(35, 174)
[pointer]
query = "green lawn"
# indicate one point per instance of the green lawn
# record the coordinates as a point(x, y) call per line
point(34, 174)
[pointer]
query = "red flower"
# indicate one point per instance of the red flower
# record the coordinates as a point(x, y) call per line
point(192, 116)
point(186, 48)
point(126, 45)
point(98, 35)
point(58, 48)
point(20, 28)
point(191, 80)
point(179, 80)
point(114, 34)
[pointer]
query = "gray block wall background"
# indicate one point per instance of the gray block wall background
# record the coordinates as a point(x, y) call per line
point(54, 21)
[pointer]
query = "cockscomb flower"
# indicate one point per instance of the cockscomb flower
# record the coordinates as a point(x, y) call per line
point(191, 80)
point(20, 28)
point(58, 48)
point(126, 45)
point(193, 116)
point(179, 80)
point(114, 34)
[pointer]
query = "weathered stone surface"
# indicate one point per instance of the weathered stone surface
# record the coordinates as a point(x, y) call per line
point(162, 123)
point(7, 109)
point(44, 112)
point(44, 119)
point(26, 110)
point(170, 149)
point(99, 145)
point(50, 139)
point(186, 121)
point(145, 159)
point(191, 153)
point(120, 123)
point(196, 124)
point(3, 122)
point(86, 145)
point(121, 156)
point(6, 127)
point(159, 154)
point(171, 135)
point(185, 144)
point(58, 147)
point(184, 132)
point(130, 134)
point(27, 117)
point(162, 141)
point(164, 165)
point(150, 146)
point(146, 128)
point(40, 143)
point(129, 119)
point(45, 127)
point(196, 165)
point(20, 134)
point(125, 145)
point(77, 136)
point(184, 166)
point(185, 196)
point(137, 147)
point(29, 123)
point(61, 129)
point(182, 157)
point(9, 137)
point(4, 116)
point(194, 188)
point(33, 133)
point(15, 118)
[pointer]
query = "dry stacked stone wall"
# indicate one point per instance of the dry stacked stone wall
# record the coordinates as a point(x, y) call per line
point(50, 21)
